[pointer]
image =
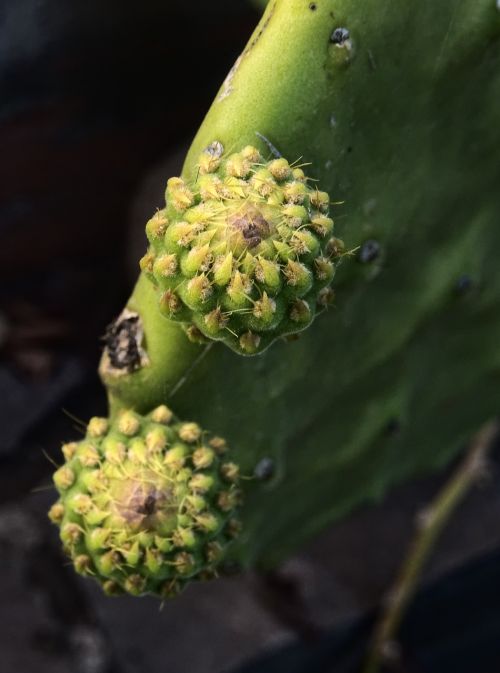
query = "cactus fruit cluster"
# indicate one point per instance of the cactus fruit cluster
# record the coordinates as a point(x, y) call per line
point(245, 253)
point(394, 381)
point(146, 503)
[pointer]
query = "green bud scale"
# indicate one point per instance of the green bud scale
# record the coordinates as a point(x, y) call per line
point(146, 503)
point(244, 253)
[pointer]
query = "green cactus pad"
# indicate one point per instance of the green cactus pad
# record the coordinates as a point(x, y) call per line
point(146, 503)
point(243, 254)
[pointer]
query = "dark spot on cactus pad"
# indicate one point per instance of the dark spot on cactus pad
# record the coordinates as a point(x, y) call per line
point(252, 225)
point(265, 469)
point(369, 251)
point(313, 6)
point(122, 339)
point(393, 427)
point(339, 36)
point(463, 284)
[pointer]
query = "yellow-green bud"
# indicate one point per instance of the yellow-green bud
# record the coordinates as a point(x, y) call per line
point(64, 478)
point(56, 512)
point(249, 342)
point(298, 276)
point(230, 472)
point(300, 312)
point(197, 260)
point(185, 563)
point(135, 585)
point(83, 564)
point(203, 457)
point(156, 441)
point(156, 227)
point(97, 427)
point(201, 483)
point(165, 266)
point(322, 225)
point(295, 192)
point(162, 414)
point(237, 166)
point(128, 423)
point(87, 454)
point(71, 534)
point(223, 269)
point(189, 432)
point(268, 273)
point(115, 451)
point(323, 269)
point(319, 200)
point(69, 450)
point(280, 169)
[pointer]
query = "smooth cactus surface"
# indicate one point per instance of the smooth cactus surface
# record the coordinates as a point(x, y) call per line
point(146, 503)
point(245, 254)
point(395, 108)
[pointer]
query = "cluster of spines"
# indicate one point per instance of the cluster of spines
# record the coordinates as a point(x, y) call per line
point(146, 503)
point(246, 254)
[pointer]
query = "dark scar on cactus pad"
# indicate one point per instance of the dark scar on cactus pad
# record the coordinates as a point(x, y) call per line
point(265, 469)
point(463, 284)
point(339, 36)
point(393, 427)
point(123, 343)
point(369, 251)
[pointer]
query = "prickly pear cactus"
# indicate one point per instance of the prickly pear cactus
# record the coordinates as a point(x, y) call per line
point(246, 253)
point(146, 503)
point(394, 106)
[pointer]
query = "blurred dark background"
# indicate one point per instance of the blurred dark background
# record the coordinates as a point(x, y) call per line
point(98, 103)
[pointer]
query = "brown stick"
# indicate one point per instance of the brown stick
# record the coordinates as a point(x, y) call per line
point(432, 522)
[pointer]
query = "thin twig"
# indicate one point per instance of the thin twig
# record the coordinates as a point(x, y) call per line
point(431, 524)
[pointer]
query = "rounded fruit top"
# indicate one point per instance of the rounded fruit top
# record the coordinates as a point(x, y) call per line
point(146, 503)
point(244, 253)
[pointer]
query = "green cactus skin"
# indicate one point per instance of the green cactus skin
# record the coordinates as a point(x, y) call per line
point(146, 504)
point(246, 253)
point(400, 122)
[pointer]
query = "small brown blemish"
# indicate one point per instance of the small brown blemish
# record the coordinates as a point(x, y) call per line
point(141, 504)
point(252, 225)
point(148, 507)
